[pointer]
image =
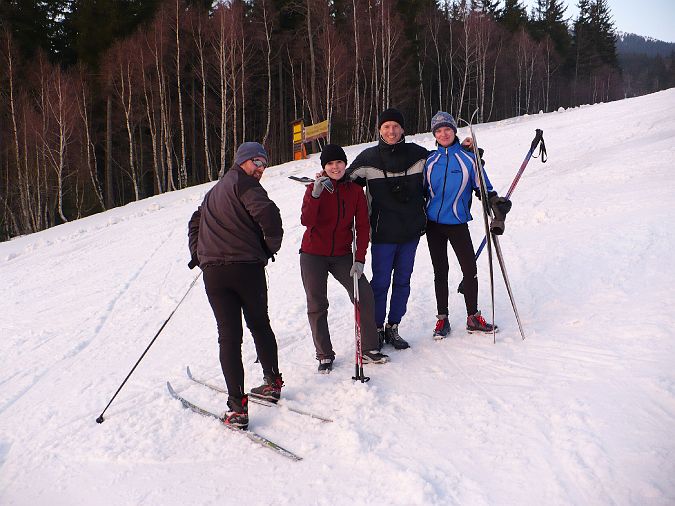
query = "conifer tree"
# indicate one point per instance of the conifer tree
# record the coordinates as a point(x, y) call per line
point(549, 19)
point(594, 38)
point(98, 23)
point(603, 32)
point(490, 8)
point(514, 15)
point(36, 25)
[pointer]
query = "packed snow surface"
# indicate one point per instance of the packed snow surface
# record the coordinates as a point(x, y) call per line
point(581, 412)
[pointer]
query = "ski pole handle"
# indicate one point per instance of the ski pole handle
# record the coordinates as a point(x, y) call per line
point(538, 137)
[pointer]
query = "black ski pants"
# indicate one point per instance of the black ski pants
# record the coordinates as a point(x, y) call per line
point(438, 236)
point(231, 290)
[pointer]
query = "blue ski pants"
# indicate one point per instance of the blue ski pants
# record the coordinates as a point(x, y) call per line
point(392, 266)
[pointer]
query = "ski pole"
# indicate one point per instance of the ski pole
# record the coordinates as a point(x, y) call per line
point(358, 358)
point(100, 418)
point(538, 139)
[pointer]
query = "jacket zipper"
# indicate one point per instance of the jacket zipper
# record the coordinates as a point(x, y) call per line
point(337, 219)
point(445, 178)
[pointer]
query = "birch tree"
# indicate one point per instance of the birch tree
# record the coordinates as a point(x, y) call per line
point(182, 166)
point(201, 42)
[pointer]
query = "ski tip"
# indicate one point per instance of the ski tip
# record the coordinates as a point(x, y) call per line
point(170, 388)
point(188, 372)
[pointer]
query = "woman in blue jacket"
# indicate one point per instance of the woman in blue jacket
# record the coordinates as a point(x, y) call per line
point(450, 178)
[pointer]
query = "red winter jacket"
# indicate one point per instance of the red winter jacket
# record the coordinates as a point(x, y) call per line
point(329, 221)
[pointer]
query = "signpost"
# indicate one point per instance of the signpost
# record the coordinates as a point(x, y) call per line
point(303, 134)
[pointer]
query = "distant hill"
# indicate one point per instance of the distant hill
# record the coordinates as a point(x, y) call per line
point(630, 43)
point(647, 64)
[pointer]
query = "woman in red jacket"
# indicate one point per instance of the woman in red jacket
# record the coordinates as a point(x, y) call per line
point(326, 248)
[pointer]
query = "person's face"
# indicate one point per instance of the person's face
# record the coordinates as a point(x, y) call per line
point(335, 169)
point(391, 132)
point(444, 136)
point(255, 167)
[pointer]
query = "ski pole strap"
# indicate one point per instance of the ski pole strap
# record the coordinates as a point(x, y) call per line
point(539, 139)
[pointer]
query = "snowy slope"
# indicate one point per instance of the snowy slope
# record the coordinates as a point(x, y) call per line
point(582, 412)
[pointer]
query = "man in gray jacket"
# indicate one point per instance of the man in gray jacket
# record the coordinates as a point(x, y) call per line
point(232, 235)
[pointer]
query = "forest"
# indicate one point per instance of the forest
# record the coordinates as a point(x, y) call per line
point(103, 102)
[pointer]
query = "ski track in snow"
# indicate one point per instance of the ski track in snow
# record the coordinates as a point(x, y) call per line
point(581, 412)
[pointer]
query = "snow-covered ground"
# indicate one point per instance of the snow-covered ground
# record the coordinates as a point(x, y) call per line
point(581, 412)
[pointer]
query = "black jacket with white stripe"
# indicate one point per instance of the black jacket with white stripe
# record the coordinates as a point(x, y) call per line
point(393, 175)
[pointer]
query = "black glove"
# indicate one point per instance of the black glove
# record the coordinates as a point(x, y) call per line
point(490, 195)
point(480, 155)
point(194, 262)
point(500, 207)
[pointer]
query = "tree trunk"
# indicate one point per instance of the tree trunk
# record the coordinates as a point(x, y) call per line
point(313, 112)
point(356, 132)
point(152, 127)
point(90, 148)
point(109, 199)
point(200, 44)
point(223, 69)
point(268, 53)
point(182, 168)
point(126, 98)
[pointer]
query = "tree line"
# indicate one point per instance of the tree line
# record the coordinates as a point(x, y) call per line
point(103, 102)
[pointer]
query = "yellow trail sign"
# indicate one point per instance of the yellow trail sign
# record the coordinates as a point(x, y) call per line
point(316, 131)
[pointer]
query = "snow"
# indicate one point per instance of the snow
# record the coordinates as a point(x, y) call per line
point(581, 412)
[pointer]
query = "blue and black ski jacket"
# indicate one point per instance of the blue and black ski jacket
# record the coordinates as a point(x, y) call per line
point(450, 177)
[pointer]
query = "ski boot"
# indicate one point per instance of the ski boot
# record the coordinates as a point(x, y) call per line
point(392, 337)
point(476, 323)
point(442, 327)
point(237, 415)
point(270, 390)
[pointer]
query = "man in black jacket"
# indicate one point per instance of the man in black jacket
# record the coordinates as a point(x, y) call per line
point(392, 172)
point(231, 237)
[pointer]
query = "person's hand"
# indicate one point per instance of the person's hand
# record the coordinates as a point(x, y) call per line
point(357, 270)
point(194, 262)
point(467, 143)
point(500, 205)
point(318, 186)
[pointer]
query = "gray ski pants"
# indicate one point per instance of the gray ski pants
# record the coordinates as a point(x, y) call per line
point(315, 269)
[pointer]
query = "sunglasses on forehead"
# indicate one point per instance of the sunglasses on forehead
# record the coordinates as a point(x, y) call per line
point(259, 163)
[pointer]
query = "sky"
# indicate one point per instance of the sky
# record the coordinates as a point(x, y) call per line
point(653, 18)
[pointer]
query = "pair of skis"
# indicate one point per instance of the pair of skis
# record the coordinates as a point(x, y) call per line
point(491, 239)
point(253, 436)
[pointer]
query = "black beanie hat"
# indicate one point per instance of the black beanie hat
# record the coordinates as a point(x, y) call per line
point(330, 153)
point(390, 115)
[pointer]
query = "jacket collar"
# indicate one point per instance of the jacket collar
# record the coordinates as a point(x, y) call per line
point(452, 148)
point(392, 147)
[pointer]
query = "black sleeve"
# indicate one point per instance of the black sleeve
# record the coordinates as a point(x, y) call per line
point(193, 236)
point(353, 172)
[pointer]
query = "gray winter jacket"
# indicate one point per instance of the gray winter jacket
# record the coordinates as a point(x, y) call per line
point(236, 223)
